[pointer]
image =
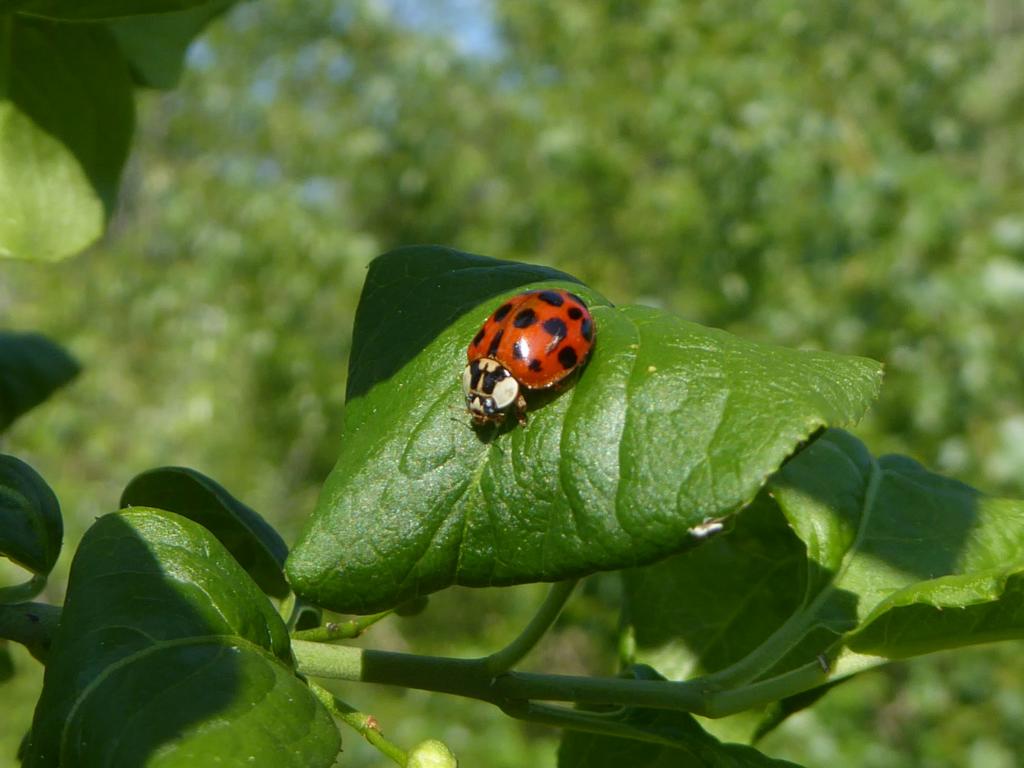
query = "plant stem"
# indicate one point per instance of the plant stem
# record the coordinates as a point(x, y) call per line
point(463, 677)
point(512, 691)
point(340, 631)
point(471, 678)
point(514, 652)
point(365, 725)
point(31, 624)
point(337, 662)
point(765, 655)
point(729, 702)
point(490, 679)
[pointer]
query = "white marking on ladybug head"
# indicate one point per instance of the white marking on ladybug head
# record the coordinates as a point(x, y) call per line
point(489, 388)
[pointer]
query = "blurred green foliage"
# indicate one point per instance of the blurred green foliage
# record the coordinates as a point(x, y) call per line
point(834, 175)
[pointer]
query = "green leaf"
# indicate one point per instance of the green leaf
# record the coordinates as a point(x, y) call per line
point(669, 425)
point(934, 544)
point(31, 528)
point(155, 45)
point(661, 739)
point(89, 10)
point(31, 368)
point(897, 561)
point(68, 86)
point(926, 563)
point(587, 750)
point(169, 655)
point(257, 547)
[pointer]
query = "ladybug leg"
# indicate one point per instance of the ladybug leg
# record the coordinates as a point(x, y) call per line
point(521, 409)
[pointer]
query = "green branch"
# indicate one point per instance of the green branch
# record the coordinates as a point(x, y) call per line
point(490, 679)
point(534, 631)
point(513, 691)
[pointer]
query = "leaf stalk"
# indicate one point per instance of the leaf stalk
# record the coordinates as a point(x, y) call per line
point(365, 725)
point(31, 624)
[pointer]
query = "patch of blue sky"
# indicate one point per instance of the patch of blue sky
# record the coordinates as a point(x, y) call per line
point(200, 56)
point(469, 24)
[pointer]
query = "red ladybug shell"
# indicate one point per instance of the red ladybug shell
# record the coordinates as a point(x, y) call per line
point(539, 336)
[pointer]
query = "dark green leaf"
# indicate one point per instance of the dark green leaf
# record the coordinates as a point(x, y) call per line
point(898, 561)
point(31, 368)
point(155, 45)
point(31, 528)
point(932, 563)
point(587, 750)
point(670, 424)
point(261, 714)
point(86, 10)
point(6, 662)
point(248, 537)
point(68, 85)
point(168, 654)
point(413, 607)
point(698, 612)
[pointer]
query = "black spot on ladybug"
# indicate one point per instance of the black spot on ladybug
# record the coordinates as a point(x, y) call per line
point(479, 337)
point(575, 313)
point(551, 297)
point(587, 329)
point(556, 327)
point(567, 357)
point(475, 374)
point(491, 379)
point(502, 311)
point(493, 349)
point(525, 319)
point(520, 351)
point(535, 365)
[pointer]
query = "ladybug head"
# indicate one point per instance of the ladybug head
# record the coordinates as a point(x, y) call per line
point(490, 390)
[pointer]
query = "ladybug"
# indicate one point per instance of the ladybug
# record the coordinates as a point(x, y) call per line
point(532, 341)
